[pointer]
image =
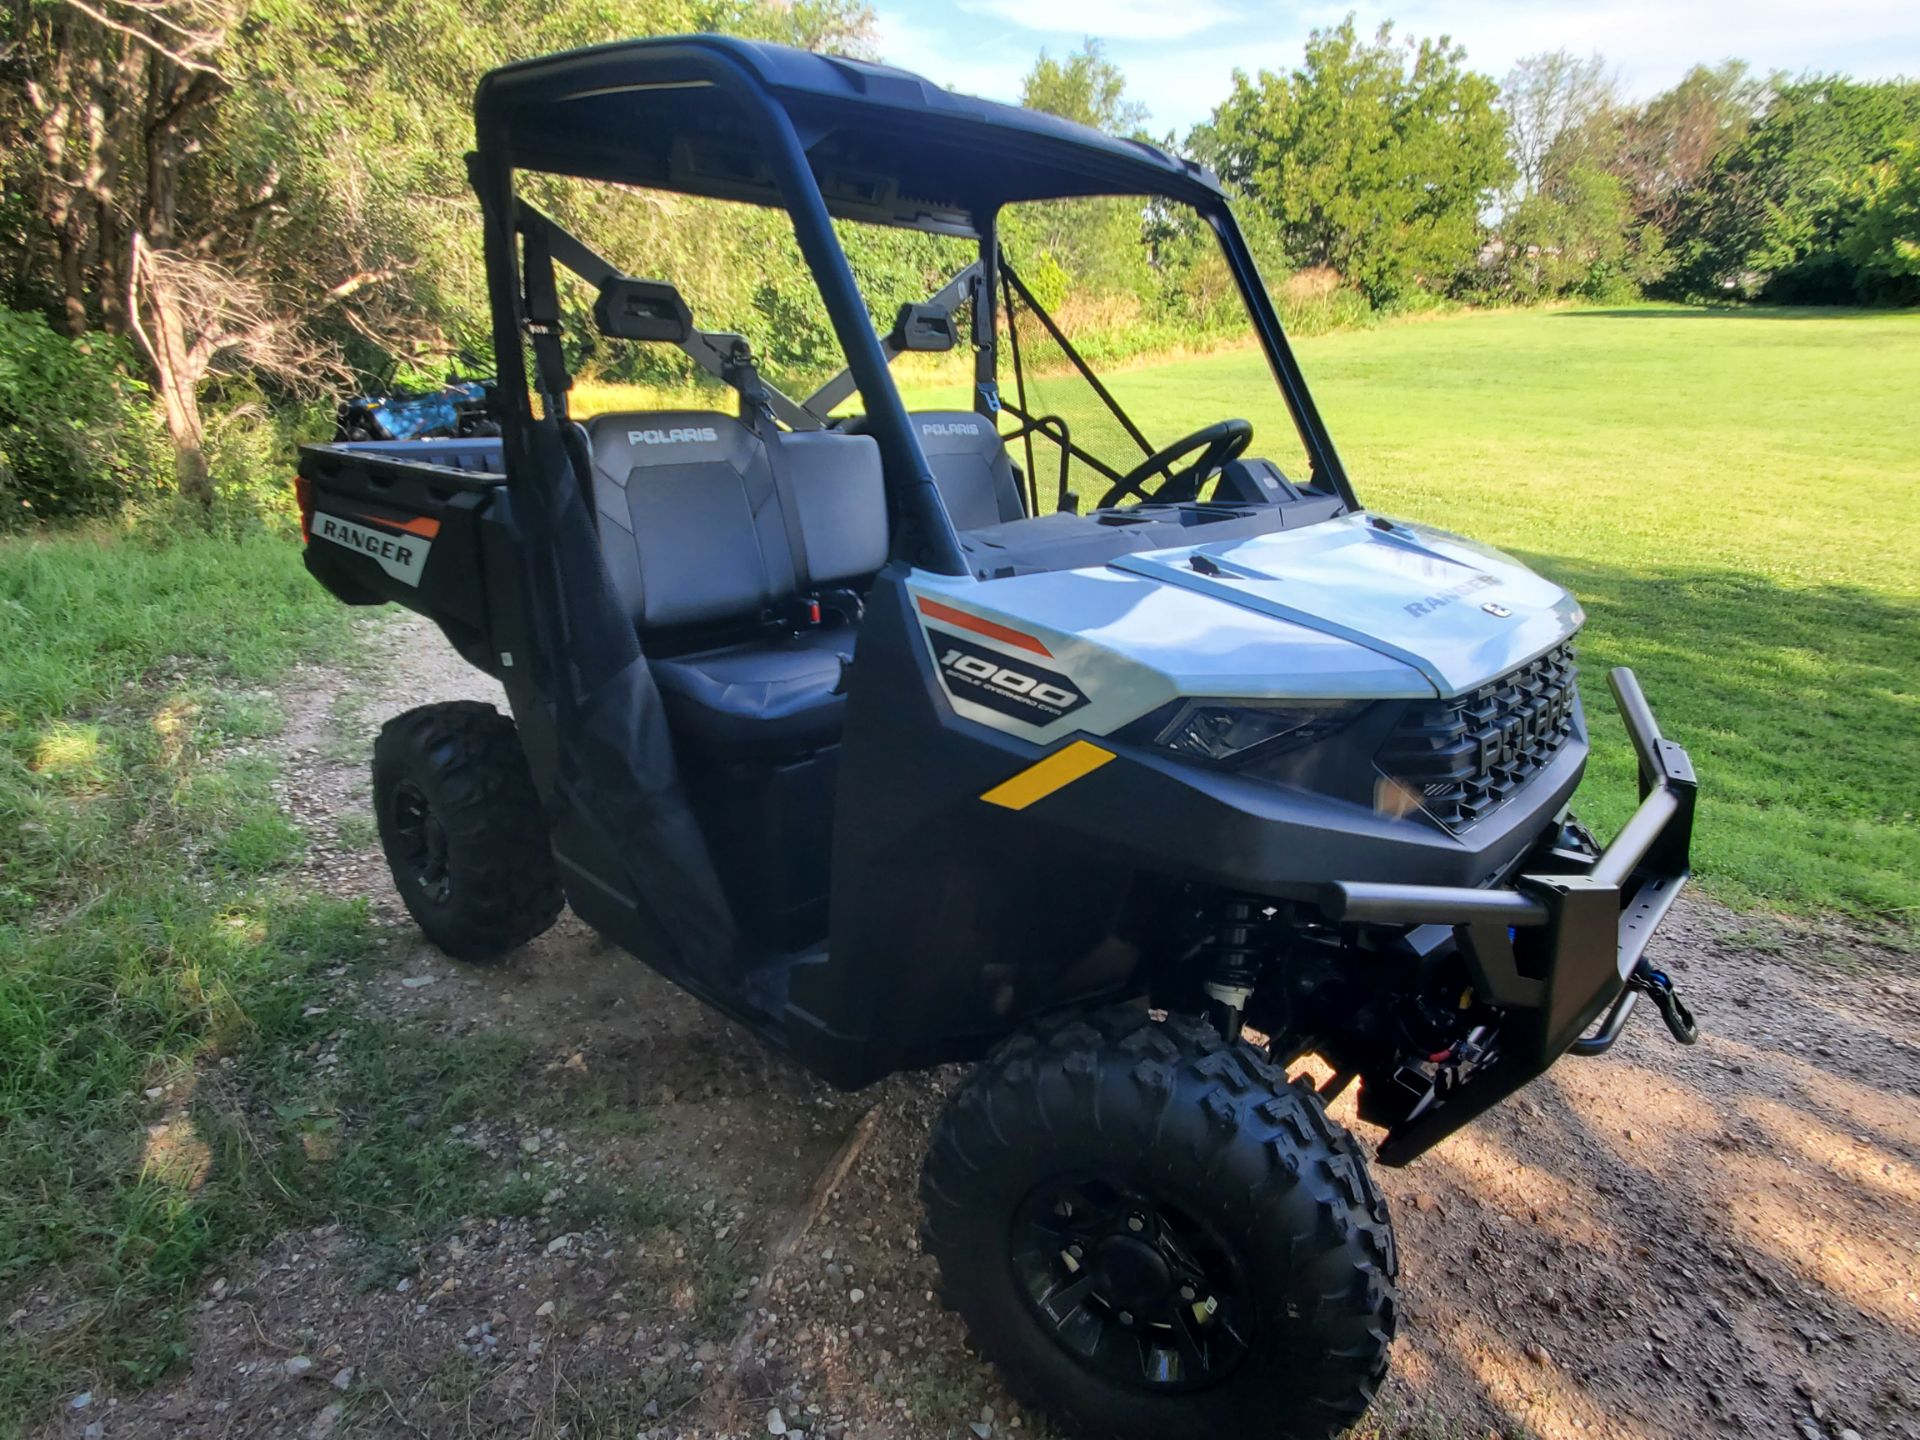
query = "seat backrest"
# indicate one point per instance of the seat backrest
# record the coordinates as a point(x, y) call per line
point(690, 518)
point(970, 466)
point(842, 498)
point(689, 525)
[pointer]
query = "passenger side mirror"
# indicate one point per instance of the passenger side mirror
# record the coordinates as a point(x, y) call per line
point(630, 309)
point(923, 328)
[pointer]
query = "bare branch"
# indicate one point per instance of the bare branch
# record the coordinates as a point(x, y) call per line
point(134, 273)
point(157, 10)
point(359, 282)
point(230, 319)
point(184, 60)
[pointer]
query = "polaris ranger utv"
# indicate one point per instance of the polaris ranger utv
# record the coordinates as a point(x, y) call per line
point(1136, 770)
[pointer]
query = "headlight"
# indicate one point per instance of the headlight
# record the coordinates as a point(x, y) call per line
point(1238, 732)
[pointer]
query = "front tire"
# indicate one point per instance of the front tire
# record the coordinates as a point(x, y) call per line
point(463, 829)
point(1153, 1234)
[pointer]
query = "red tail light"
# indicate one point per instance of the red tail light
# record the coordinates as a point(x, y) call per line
point(303, 493)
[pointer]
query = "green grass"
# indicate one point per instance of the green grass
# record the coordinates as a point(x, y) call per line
point(143, 929)
point(1733, 495)
point(152, 939)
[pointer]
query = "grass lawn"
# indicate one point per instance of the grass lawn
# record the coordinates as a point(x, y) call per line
point(1734, 496)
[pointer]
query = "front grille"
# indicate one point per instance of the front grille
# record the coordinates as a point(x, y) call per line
point(1463, 757)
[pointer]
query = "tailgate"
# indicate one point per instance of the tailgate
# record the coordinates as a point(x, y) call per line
point(402, 521)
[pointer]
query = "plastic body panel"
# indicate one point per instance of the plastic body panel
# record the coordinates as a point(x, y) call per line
point(953, 918)
point(769, 827)
point(428, 499)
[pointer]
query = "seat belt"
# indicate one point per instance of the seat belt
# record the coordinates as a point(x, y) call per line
point(756, 409)
point(540, 309)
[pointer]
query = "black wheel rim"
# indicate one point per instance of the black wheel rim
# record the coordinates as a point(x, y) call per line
point(422, 843)
point(1133, 1287)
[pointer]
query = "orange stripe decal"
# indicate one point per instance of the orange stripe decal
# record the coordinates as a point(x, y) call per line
point(934, 610)
point(425, 526)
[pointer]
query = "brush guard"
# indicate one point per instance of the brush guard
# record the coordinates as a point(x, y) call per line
point(1556, 951)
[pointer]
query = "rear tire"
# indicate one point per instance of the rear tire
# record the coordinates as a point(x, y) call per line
point(463, 829)
point(1099, 1181)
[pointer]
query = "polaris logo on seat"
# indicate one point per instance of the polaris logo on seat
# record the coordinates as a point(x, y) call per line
point(940, 428)
point(672, 437)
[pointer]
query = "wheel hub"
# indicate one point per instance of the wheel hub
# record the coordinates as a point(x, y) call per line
point(422, 842)
point(1131, 1275)
point(1133, 1288)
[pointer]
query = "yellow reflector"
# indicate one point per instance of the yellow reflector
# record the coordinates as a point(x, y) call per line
point(1042, 778)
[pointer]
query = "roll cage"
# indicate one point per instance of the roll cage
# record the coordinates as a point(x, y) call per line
point(822, 138)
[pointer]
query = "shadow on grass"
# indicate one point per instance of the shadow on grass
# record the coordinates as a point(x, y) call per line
point(1799, 706)
point(1731, 312)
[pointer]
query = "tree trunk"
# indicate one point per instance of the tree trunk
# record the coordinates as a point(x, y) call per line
point(176, 373)
point(73, 293)
point(179, 397)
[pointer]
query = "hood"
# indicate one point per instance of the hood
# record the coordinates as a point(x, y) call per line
point(1457, 612)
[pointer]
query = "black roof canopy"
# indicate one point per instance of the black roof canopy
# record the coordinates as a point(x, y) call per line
point(685, 114)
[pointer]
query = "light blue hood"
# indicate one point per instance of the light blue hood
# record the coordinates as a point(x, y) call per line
point(1459, 613)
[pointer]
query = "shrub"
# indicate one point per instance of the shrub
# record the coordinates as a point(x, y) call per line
point(1316, 300)
point(77, 437)
point(252, 448)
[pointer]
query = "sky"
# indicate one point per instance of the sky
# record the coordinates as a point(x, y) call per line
point(1179, 55)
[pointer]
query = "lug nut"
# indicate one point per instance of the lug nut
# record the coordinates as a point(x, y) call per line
point(1126, 1317)
point(1186, 1292)
point(1136, 1223)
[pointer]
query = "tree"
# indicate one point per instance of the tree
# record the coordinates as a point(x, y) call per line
point(1884, 242)
point(1085, 87)
point(122, 104)
point(1774, 211)
point(1558, 109)
point(1092, 245)
point(254, 184)
point(1668, 146)
point(1375, 157)
point(1567, 223)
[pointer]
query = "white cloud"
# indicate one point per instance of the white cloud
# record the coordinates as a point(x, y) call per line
point(992, 70)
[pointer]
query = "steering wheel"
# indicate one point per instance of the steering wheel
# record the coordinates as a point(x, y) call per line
point(1219, 443)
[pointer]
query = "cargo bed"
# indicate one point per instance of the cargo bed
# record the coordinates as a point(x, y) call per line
point(414, 522)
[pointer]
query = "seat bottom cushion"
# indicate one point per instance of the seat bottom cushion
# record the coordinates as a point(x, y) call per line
point(763, 697)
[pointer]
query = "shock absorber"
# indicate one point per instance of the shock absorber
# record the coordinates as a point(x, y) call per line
point(1233, 965)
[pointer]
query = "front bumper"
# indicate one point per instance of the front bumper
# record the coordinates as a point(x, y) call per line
point(1557, 949)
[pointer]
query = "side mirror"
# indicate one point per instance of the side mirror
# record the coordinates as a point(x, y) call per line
point(630, 309)
point(923, 329)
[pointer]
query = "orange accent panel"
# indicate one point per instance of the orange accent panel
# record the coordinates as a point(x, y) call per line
point(933, 609)
point(425, 526)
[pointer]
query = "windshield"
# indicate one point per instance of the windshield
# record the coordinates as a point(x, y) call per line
point(1119, 332)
